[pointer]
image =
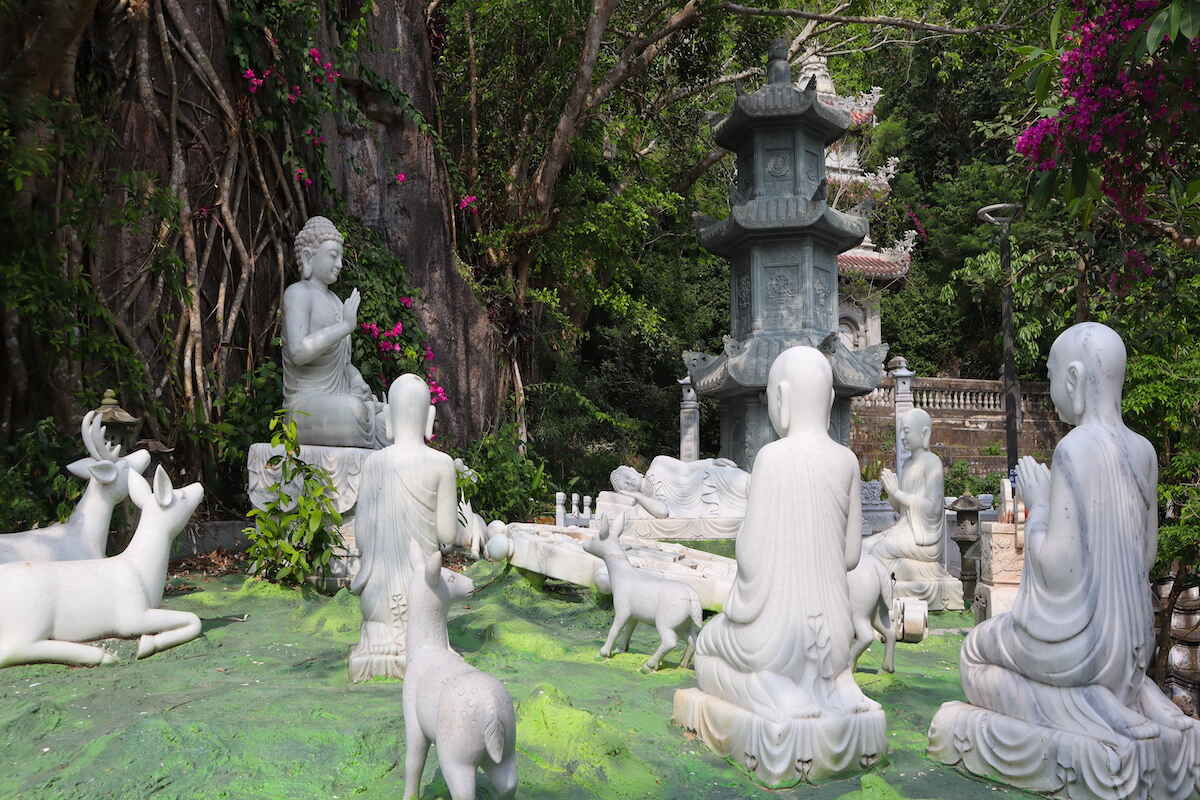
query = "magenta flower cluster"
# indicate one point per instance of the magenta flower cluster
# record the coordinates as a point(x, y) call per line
point(253, 82)
point(384, 340)
point(301, 177)
point(468, 202)
point(1130, 118)
point(329, 74)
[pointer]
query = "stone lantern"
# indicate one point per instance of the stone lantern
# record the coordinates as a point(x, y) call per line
point(966, 535)
point(121, 426)
point(782, 240)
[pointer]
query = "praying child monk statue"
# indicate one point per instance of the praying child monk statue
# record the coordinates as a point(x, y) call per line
point(774, 670)
point(407, 494)
point(912, 548)
point(1059, 699)
point(332, 404)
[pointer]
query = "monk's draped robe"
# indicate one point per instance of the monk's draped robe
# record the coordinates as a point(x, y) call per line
point(396, 504)
point(782, 646)
point(697, 488)
point(1072, 654)
point(918, 534)
point(330, 409)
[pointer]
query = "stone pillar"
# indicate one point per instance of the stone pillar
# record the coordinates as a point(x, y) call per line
point(902, 377)
point(689, 422)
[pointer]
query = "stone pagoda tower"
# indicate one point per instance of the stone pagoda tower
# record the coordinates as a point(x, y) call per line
point(782, 240)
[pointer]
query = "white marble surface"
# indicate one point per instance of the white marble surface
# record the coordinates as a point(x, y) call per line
point(1059, 700)
point(912, 549)
point(85, 534)
point(467, 713)
point(406, 494)
point(49, 610)
point(776, 690)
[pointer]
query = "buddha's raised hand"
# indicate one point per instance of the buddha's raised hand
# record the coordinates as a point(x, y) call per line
point(350, 309)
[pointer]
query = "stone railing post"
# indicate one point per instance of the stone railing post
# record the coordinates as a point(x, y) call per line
point(902, 402)
point(689, 422)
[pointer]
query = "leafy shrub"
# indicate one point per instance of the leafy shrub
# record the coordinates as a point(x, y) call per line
point(293, 538)
point(960, 480)
point(511, 486)
point(35, 488)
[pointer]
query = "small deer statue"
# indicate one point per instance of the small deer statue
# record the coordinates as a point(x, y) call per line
point(47, 609)
point(871, 592)
point(85, 534)
point(467, 713)
point(672, 607)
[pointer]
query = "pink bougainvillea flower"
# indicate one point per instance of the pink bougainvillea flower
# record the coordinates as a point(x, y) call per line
point(294, 94)
point(467, 202)
point(401, 177)
point(407, 302)
point(248, 74)
point(316, 54)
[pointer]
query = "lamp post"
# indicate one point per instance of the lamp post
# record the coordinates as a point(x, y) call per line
point(1002, 215)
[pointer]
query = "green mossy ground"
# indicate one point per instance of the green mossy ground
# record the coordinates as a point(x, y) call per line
point(260, 707)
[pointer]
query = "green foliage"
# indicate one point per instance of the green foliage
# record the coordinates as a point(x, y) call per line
point(35, 490)
point(294, 535)
point(960, 480)
point(512, 487)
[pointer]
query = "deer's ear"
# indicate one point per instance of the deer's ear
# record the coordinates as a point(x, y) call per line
point(104, 471)
point(164, 492)
point(139, 491)
point(138, 460)
point(82, 467)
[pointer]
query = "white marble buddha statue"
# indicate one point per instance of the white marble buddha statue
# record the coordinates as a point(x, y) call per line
point(912, 548)
point(331, 403)
point(407, 494)
point(774, 669)
point(707, 487)
point(1059, 696)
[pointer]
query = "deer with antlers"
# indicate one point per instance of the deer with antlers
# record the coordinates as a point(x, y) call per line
point(48, 610)
point(85, 534)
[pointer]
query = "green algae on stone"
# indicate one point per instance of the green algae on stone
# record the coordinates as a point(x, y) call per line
point(589, 751)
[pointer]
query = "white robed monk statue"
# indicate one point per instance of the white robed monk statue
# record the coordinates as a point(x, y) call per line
point(911, 550)
point(1059, 697)
point(407, 494)
point(774, 669)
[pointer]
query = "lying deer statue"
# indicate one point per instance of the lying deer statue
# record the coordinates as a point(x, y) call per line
point(48, 608)
point(672, 607)
point(468, 714)
point(85, 534)
point(871, 591)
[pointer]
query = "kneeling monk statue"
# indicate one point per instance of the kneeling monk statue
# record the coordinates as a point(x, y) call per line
point(1059, 697)
point(774, 670)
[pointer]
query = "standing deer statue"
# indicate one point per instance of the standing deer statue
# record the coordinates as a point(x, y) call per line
point(85, 534)
point(467, 713)
point(871, 593)
point(47, 609)
point(672, 607)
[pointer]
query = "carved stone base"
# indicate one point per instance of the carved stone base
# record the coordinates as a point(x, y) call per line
point(782, 754)
point(1063, 764)
point(944, 593)
point(380, 651)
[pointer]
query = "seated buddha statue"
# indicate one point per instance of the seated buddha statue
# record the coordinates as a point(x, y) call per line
point(329, 400)
point(912, 548)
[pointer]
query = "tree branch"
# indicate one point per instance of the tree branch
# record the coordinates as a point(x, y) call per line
point(891, 22)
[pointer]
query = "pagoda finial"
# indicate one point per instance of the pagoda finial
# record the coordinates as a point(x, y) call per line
point(778, 68)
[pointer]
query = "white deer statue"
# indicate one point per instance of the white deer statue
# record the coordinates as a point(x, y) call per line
point(48, 609)
point(468, 714)
point(871, 593)
point(672, 607)
point(85, 534)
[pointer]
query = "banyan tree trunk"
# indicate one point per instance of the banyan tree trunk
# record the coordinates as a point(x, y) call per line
point(415, 217)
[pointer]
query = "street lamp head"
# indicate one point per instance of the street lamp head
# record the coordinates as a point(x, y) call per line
point(1001, 214)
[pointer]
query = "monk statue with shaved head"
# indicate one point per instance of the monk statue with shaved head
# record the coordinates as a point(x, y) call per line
point(912, 548)
point(407, 494)
point(775, 690)
point(1059, 698)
